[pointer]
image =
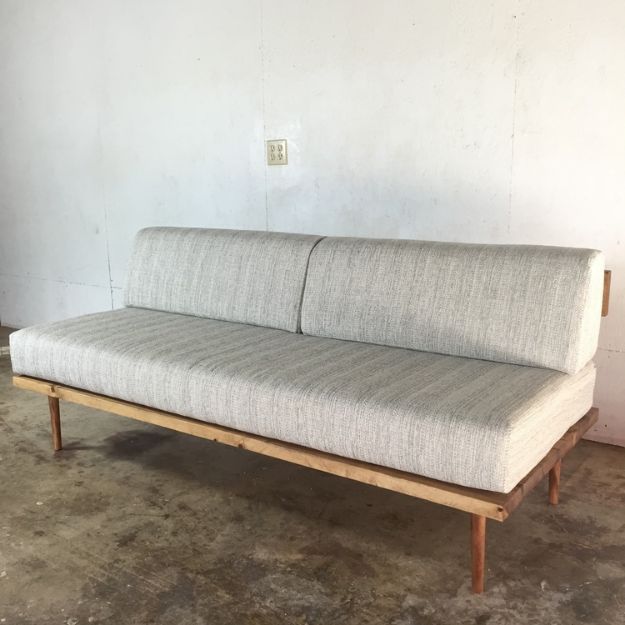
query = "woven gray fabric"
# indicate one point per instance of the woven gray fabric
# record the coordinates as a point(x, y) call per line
point(235, 275)
point(527, 305)
point(465, 421)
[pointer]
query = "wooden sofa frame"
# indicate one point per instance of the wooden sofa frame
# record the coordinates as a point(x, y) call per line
point(480, 504)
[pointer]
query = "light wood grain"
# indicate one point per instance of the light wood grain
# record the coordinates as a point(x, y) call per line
point(607, 280)
point(34, 384)
point(492, 505)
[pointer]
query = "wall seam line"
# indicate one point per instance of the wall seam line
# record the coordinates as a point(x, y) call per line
point(108, 254)
point(56, 281)
point(262, 105)
point(514, 107)
point(107, 248)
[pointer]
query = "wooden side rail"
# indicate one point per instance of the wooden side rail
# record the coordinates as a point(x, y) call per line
point(607, 281)
point(480, 504)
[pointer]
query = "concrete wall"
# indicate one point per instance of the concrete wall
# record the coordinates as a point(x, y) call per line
point(469, 121)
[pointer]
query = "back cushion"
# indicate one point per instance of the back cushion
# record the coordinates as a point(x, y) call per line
point(233, 275)
point(527, 305)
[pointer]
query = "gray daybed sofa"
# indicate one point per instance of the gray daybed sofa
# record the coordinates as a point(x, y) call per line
point(457, 373)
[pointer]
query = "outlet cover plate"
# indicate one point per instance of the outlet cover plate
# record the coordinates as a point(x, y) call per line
point(277, 152)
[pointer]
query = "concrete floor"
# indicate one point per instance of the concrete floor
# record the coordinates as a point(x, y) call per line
point(4, 340)
point(131, 524)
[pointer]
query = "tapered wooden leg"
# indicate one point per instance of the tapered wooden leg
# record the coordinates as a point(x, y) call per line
point(55, 422)
point(554, 483)
point(478, 551)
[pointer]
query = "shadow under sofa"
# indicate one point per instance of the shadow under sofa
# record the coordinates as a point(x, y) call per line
point(457, 373)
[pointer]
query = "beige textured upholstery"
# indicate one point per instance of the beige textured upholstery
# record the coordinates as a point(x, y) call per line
point(528, 305)
point(235, 275)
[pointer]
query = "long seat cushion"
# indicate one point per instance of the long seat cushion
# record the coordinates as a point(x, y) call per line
point(521, 304)
point(472, 422)
point(233, 275)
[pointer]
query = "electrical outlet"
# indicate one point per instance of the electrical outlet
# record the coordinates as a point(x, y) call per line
point(276, 152)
